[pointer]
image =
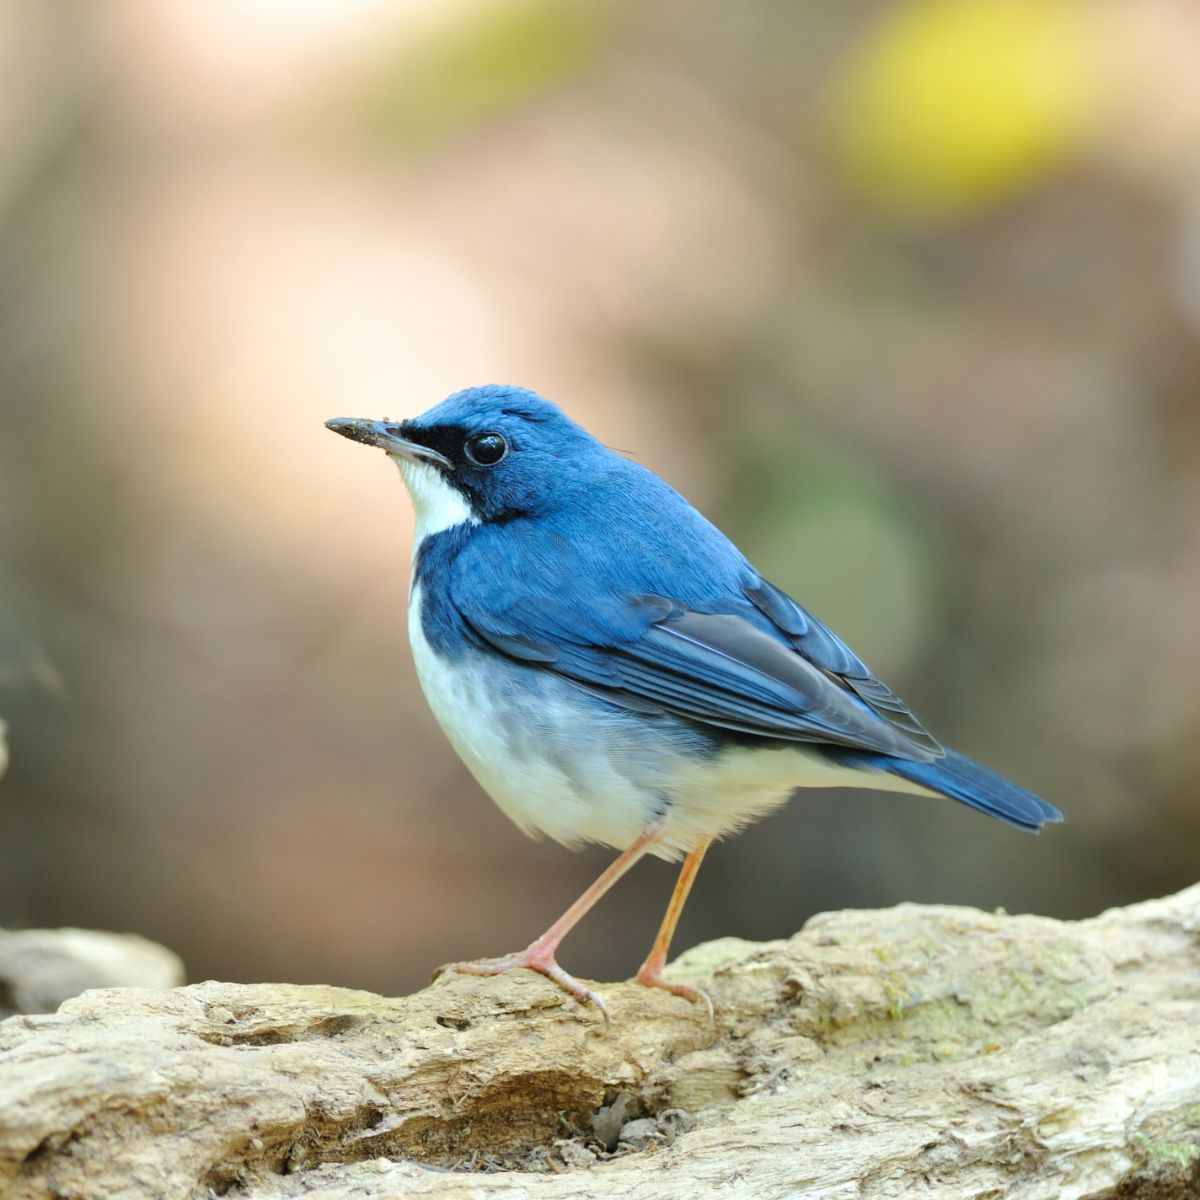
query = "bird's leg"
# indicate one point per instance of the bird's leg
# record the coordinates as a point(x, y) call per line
point(651, 973)
point(539, 954)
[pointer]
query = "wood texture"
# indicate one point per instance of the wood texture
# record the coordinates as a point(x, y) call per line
point(909, 1052)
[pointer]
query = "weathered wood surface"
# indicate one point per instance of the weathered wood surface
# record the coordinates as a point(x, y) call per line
point(911, 1052)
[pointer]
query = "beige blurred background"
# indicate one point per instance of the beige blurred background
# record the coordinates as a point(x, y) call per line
point(905, 295)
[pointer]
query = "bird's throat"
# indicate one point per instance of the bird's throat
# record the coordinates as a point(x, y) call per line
point(437, 503)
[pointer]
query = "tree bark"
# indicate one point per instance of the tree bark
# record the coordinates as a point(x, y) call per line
point(918, 1051)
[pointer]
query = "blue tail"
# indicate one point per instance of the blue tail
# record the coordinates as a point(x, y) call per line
point(961, 779)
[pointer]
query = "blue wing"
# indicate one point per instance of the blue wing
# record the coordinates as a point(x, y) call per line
point(825, 649)
point(707, 640)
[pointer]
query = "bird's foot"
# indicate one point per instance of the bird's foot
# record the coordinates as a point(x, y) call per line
point(651, 975)
point(533, 958)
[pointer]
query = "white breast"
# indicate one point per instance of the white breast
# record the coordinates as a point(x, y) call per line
point(528, 747)
point(531, 790)
point(523, 747)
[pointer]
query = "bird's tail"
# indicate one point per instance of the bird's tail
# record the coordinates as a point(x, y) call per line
point(966, 781)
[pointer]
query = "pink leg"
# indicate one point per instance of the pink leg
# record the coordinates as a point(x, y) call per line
point(539, 955)
point(651, 973)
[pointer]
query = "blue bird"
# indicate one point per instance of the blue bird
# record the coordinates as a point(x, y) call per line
point(612, 669)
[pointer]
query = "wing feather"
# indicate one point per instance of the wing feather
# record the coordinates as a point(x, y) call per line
point(718, 669)
point(721, 647)
point(825, 649)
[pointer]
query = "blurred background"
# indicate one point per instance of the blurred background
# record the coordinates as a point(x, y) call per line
point(905, 295)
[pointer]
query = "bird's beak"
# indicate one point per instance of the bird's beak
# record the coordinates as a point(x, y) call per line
point(387, 437)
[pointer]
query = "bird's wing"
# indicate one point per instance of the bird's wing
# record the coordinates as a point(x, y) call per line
point(652, 653)
point(826, 650)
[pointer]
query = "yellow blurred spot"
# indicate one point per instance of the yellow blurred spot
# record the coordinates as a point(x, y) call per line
point(950, 104)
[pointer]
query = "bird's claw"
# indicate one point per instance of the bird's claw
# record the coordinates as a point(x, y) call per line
point(532, 958)
point(650, 976)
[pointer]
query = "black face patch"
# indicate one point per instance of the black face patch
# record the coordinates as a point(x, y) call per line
point(447, 440)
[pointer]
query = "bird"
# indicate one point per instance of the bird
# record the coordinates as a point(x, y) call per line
point(612, 669)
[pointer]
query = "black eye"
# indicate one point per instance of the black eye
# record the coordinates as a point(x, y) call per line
point(486, 449)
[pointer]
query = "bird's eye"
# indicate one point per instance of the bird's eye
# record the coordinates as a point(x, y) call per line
point(486, 449)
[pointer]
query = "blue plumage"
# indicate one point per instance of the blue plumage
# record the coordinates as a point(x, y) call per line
point(610, 666)
point(962, 779)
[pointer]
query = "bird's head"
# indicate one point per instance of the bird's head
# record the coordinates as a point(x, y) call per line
point(485, 454)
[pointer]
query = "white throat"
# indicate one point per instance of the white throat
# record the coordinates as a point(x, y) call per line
point(437, 505)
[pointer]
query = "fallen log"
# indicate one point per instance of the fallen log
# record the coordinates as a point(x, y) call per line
point(917, 1051)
